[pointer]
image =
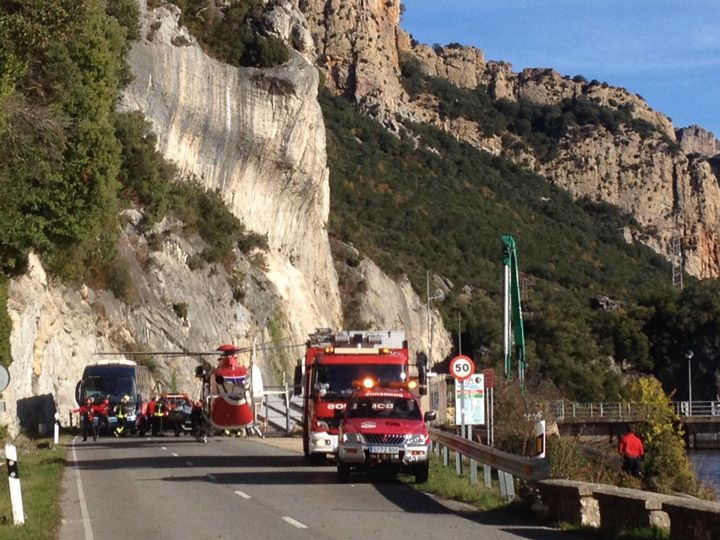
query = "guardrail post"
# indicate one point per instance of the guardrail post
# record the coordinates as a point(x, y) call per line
point(602, 412)
point(287, 409)
point(458, 463)
point(267, 413)
point(14, 481)
point(473, 471)
point(487, 476)
point(446, 456)
point(507, 485)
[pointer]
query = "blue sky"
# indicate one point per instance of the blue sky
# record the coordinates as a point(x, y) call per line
point(668, 51)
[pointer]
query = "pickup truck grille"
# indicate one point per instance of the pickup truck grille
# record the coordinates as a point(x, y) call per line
point(385, 439)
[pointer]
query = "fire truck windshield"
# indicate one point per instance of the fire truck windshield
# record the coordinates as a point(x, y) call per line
point(384, 407)
point(339, 378)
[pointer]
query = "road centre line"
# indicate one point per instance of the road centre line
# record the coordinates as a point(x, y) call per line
point(294, 522)
point(174, 454)
point(164, 447)
point(241, 494)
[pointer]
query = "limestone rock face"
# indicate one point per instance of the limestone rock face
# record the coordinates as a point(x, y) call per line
point(696, 140)
point(258, 137)
point(390, 304)
point(360, 44)
point(57, 331)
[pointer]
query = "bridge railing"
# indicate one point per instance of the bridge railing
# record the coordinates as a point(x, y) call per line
point(570, 410)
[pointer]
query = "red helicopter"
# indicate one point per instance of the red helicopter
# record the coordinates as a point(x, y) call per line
point(226, 389)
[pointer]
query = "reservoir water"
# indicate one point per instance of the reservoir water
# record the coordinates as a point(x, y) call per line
point(707, 465)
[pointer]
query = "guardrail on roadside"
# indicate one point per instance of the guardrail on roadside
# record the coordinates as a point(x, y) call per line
point(569, 410)
point(519, 466)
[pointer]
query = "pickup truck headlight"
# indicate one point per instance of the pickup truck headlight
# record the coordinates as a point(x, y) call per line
point(353, 438)
point(415, 439)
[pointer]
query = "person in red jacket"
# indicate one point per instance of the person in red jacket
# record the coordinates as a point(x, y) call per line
point(102, 411)
point(87, 414)
point(632, 451)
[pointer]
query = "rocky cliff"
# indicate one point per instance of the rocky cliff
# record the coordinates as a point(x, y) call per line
point(256, 136)
point(668, 182)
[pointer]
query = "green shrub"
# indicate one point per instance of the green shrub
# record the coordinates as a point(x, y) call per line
point(232, 33)
point(5, 325)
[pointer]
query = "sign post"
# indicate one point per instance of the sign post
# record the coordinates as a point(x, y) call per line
point(14, 481)
point(461, 368)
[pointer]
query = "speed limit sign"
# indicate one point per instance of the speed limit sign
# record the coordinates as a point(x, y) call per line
point(461, 367)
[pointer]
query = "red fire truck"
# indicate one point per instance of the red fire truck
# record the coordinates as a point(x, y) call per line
point(333, 362)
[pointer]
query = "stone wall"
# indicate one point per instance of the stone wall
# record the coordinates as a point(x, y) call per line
point(613, 508)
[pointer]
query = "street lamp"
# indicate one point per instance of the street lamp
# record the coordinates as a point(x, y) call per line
point(689, 355)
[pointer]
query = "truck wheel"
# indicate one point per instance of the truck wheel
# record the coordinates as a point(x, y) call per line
point(421, 473)
point(343, 472)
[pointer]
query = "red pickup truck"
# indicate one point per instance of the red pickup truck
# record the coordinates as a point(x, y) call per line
point(383, 428)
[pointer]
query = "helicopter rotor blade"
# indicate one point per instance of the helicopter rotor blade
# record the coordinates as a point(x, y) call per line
point(217, 352)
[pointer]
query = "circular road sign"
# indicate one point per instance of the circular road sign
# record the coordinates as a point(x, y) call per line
point(461, 367)
point(4, 378)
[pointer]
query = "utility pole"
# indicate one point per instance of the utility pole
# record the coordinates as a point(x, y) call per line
point(689, 355)
point(438, 296)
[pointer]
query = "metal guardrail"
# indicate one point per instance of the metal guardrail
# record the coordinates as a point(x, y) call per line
point(519, 466)
point(568, 410)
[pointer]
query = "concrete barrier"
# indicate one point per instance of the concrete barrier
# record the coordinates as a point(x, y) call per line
point(691, 518)
point(570, 501)
point(630, 508)
point(610, 507)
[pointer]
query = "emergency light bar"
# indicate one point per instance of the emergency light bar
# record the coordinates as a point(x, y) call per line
point(357, 350)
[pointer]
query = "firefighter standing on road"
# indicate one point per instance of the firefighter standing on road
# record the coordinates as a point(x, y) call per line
point(632, 451)
point(158, 413)
point(122, 410)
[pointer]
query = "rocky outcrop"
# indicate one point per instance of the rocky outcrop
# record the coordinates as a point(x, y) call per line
point(696, 140)
point(255, 135)
point(361, 45)
point(386, 303)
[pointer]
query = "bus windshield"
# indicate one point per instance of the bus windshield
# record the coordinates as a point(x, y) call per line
point(339, 378)
point(100, 386)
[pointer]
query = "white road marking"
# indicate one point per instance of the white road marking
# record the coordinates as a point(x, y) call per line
point(81, 495)
point(164, 447)
point(212, 477)
point(242, 494)
point(294, 522)
point(189, 463)
point(174, 454)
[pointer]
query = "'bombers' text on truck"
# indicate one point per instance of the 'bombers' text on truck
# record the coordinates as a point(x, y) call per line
point(333, 363)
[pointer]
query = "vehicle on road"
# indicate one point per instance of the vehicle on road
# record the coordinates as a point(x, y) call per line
point(178, 409)
point(383, 428)
point(333, 361)
point(112, 381)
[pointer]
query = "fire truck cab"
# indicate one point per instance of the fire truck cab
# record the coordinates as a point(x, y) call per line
point(333, 361)
point(383, 428)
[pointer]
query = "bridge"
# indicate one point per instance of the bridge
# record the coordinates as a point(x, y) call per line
point(700, 419)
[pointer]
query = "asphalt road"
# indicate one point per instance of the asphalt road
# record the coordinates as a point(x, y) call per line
point(176, 488)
